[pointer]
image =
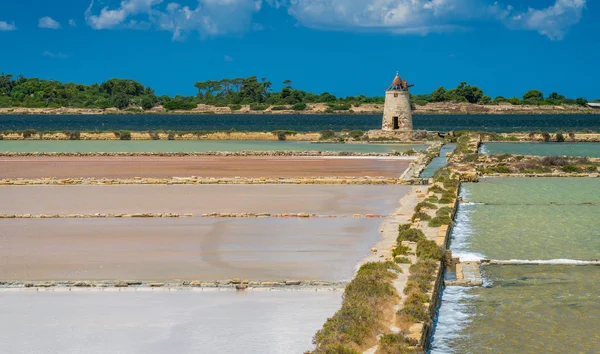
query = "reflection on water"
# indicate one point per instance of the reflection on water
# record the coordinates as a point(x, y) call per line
point(193, 146)
point(163, 322)
point(543, 149)
point(526, 309)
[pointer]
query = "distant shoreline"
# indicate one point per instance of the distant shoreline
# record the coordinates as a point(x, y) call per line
point(442, 108)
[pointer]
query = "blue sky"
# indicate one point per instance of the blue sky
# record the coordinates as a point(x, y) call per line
point(346, 47)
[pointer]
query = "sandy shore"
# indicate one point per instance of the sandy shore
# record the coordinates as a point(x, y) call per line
point(162, 167)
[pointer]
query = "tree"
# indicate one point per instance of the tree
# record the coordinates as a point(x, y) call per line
point(581, 101)
point(533, 95)
point(148, 102)
point(120, 101)
point(287, 83)
point(439, 94)
point(464, 92)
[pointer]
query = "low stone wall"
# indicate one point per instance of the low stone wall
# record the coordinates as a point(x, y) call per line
point(201, 180)
point(313, 153)
point(175, 215)
point(238, 284)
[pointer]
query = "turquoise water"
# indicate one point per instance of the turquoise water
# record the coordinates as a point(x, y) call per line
point(524, 309)
point(563, 190)
point(543, 149)
point(529, 219)
point(193, 146)
point(437, 162)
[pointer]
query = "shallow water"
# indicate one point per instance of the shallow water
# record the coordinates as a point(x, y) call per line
point(342, 200)
point(545, 190)
point(171, 249)
point(160, 322)
point(299, 122)
point(437, 162)
point(526, 309)
point(543, 149)
point(193, 146)
point(529, 219)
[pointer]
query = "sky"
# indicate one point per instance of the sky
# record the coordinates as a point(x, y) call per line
point(345, 47)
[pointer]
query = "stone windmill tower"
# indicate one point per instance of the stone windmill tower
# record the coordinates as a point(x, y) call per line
point(397, 114)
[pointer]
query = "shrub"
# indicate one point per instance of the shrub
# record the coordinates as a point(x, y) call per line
point(440, 220)
point(400, 251)
point(411, 152)
point(171, 136)
point(571, 168)
point(124, 135)
point(443, 211)
point(554, 161)
point(402, 260)
point(424, 205)
point(235, 107)
point(1, 137)
point(410, 234)
point(366, 301)
point(432, 199)
point(73, 135)
point(396, 343)
point(356, 134)
point(28, 133)
point(414, 309)
point(299, 106)
point(154, 135)
point(258, 107)
point(279, 108)
point(560, 137)
point(282, 134)
point(546, 136)
point(427, 249)
point(177, 103)
point(327, 134)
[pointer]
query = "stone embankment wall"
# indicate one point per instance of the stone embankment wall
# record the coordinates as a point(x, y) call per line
point(313, 153)
point(202, 180)
point(536, 137)
point(135, 285)
point(321, 108)
point(145, 135)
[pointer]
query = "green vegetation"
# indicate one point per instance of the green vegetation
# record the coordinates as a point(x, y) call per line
point(367, 299)
point(327, 134)
point(283, 134)
point(123, 135)
point(396, 343)
point(123, 93)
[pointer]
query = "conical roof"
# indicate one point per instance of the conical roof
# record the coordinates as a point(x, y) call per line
point(397, 81)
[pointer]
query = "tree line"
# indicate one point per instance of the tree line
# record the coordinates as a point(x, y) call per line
point(258, 93)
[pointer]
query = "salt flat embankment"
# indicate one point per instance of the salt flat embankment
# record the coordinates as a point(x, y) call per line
point(163, 167)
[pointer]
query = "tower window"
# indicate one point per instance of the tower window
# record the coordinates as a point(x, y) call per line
point(395, 95)
point(396, 126)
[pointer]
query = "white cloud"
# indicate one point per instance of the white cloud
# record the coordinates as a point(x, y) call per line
point(208, 17)
point(53, 55)
point(220, 17)
point(228, 59)
point(48, 22)
point(553, 21)
point(5, 26)
point(396, 16)
point(112, 18)
point(72, 23)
